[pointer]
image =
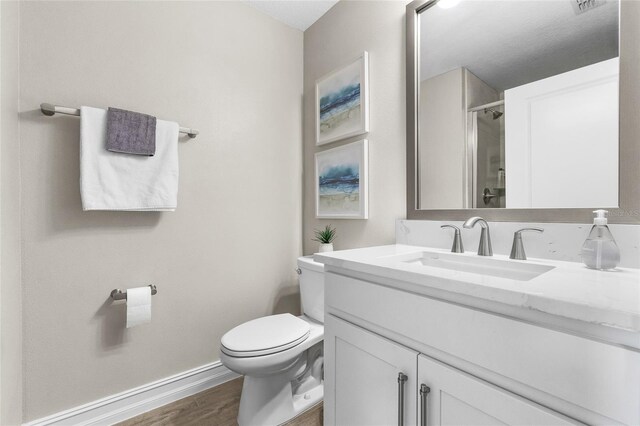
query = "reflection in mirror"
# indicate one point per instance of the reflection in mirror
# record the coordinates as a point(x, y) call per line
point(518, 104)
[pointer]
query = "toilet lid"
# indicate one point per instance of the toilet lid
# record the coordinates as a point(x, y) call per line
point(265, 336)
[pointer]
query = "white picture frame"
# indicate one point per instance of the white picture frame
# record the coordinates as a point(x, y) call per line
point(341, 182)
point(342, 102)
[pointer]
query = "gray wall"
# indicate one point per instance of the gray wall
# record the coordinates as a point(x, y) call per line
point(225, 256)
point(10, 286)
point(343, 33)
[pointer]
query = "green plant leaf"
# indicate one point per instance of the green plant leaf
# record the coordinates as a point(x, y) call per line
point(325, 236)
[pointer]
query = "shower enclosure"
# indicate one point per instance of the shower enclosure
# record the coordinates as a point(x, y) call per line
point(487, 155)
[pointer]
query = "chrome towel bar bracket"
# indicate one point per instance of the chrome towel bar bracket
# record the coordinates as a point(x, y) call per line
point(50, 109)
point(118, 294)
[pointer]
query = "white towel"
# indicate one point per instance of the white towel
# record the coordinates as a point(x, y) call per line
point(114, 181)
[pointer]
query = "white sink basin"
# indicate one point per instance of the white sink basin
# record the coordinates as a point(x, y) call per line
point(483, 265)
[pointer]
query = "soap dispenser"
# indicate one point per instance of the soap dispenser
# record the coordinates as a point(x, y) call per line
point(600, 250)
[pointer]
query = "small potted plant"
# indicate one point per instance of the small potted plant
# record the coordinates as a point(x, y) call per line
point(325, 238)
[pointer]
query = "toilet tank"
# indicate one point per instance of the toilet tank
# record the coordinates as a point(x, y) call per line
point(311, 276)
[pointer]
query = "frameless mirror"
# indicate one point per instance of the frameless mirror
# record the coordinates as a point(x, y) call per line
point(517, 104)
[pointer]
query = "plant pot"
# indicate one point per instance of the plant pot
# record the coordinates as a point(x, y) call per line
point(325, 248)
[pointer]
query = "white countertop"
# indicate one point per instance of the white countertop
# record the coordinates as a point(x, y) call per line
point(570, 290)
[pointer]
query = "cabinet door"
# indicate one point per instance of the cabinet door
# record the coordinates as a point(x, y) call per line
point(362, 385)
point(457, 398)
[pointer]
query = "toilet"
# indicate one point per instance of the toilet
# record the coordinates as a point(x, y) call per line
point(281, 356)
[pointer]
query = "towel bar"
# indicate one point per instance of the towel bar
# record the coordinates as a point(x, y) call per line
point(50, 109)
point(118, 294)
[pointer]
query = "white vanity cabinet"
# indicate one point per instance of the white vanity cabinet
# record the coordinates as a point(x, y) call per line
point(482, 368)
point(380, 382)
point(374, 378)
point(458, 398)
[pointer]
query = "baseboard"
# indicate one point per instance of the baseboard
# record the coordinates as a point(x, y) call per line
point(124, 405)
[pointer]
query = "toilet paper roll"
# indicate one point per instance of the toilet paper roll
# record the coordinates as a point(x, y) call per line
point(138, 306)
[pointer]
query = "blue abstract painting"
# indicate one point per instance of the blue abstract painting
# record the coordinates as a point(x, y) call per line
point(341, 105)
point(338, 173)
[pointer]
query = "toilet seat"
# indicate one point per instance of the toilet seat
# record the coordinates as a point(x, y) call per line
point(265, 336)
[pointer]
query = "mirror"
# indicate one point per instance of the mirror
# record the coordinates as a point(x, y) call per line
point(517, 104)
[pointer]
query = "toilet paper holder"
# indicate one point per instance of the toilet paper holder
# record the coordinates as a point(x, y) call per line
point(118, 294)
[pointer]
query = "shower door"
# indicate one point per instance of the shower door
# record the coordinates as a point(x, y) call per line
point(486, 154)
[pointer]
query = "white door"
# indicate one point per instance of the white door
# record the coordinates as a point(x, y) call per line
point(362, 385)
point(457, 398)
point(561, 140)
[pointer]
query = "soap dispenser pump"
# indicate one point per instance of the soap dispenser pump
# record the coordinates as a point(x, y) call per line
point(600, 250)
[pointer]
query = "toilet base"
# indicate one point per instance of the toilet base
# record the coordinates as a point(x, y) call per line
point(263, 402)
point(275, 399)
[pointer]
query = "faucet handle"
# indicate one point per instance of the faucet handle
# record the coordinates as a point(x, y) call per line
point(457, 239)
point(539, 230)
point(517, 248)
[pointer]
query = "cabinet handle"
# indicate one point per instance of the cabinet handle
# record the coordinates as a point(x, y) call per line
point(424, 391)
point(402, 378)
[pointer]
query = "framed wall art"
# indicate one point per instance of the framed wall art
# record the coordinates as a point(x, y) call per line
point(342, 102)
point(341, 182)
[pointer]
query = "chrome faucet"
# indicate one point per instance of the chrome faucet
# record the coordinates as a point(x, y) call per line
point(484, 249)
point(517, 249)
point(457, 239)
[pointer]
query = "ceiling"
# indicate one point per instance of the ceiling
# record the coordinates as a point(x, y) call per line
point(300, 14)
point(510, 43)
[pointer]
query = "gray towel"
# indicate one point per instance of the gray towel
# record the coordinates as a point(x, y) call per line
point(130, 132)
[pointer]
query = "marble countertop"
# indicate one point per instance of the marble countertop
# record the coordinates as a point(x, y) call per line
point(570, 290)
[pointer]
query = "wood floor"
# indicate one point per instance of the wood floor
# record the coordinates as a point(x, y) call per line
point(214, 407)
